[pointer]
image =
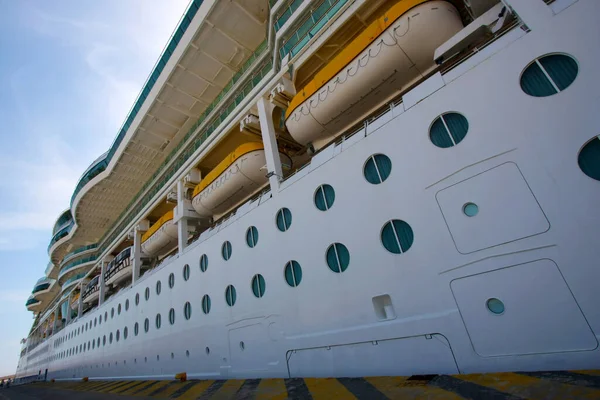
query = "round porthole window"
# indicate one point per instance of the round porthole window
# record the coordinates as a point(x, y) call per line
point(146, 325)
point(589, 158)
point(548, 75)
point(448, 130)
point(230, 295)
point(119, 309)
point(377, 168)
point(172, 316)
point(147, 293)
point(284, 219)
point(186, 272)
point(126, 305)
point(203, 263)
point(293, 273)
point(158, 320)
point(495, 306)
point(125, 331)
point(226, 250)
point(397, 236)
point(136, 329)
point(470, 209)
point(258, 285)
point(137, 299)
point(187, 310)
point(158, 287)
point(206, 304)
point(252, 236)
point(171, 280)
point(324, 197)
point(338, 257)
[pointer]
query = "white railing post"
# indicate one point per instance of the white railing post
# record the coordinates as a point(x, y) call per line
point(267, 129)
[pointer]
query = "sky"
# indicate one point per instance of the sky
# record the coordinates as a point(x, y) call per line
point(70, 70)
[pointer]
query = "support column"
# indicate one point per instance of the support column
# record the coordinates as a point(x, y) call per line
point(267, 129)
point(103, 264)
point(137, 255)
point(55, 324)
point(69, 308)
point(80, 305)
point(182, 223)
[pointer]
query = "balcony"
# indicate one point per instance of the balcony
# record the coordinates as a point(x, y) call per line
point(69, 283)
point(62, 221)
point(73, 265)
point(33, 304)
point(82, 249)
point(60, 234)
point(40, 287)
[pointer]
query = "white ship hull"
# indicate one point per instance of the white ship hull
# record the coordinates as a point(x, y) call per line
point(533, 245)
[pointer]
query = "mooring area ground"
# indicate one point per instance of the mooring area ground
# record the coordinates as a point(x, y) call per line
point(520, 385)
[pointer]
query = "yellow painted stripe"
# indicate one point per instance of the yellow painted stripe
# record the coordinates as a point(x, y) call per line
point(124, 387)
point(87, 386)
point(196, 390)
point(152, 388)
point(95, 387)
point(228, 390)
point(170, 390)
point(108, 388)
point(136, 388)
point(529, 387)
point(399, 388)
point(351, 51)
point(327, 388)
point(271, 389)
point(156, 226)
point(226, 163)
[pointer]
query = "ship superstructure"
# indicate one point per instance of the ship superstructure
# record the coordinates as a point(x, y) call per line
point(339, 188)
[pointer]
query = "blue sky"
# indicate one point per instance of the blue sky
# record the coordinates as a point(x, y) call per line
point(69, 73)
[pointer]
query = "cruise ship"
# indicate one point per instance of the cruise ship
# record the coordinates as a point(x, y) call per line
point(339, 188)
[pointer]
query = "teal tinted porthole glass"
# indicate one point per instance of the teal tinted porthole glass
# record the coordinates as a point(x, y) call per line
point(284, 219)
point(146, 325)
point(158, 287)
point(397, 236)
point(125, 332)
point(137, 301)
point(230, 295)
point(172, 316)
point(187, 310)
point(136, 329)
point(377, 168)
point(147, 293)
point(589, 159)
point(470, 209)
point(293, 273)
point(226, 250)
point(203, 263)
point(171, 280)
point(338, 257)
point(258, 285)
point(448, 130)
point(206, 304)
point(186, 272)
point(549, 75)
point(252, 236)
point(495, 306)
point(158, 321)
point(324, 197)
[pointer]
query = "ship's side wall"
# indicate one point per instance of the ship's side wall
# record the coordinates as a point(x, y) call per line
point(533, 245)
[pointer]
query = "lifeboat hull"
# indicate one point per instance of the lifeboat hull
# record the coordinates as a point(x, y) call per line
point(397, 58)
point(120, 275)
point(162, 240)
point(242, 178)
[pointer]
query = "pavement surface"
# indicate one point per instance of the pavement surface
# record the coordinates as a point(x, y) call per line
point(514, 386)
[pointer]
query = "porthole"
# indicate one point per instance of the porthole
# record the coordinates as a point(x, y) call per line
point(147, 293)
point(105, 316)
point(338, 257)
point(206, 304)
point(242, 346)
point(119, 309)
point(230, 295)
point(207, 350)
point(172, 316)
point(137, 299)
point(226, 250)
point(293, 273)
point(98, 345)
point(125, 333)
point(495, 306)
point(397, 236)
point(186, 272)
point(171, 280)
point(187, 310)
point(203, 263)
point(549, 75)
point(324, 197)
point(258, 285)
point(126, 304)
point(172, 356)
point(110, 338)
point(118, 335)
point(589, 158)
point(252, 236)
point(136, 329)
point(284, 219)
point(112, 313)
point(146, 325)
point(158, 287)
point(470, 209)
point(377, 168)
point(449, 129)
point(187, 353)
point(157, 321)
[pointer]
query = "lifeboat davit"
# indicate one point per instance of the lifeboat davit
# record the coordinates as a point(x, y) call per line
point(119, 268)
point(92, 290)
point(161, 237)
point(75, 302)
point(239, 175)
point(392, 53)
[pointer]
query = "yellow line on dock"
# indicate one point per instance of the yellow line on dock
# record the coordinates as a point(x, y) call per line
point(271, 389)
point(327, 388)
